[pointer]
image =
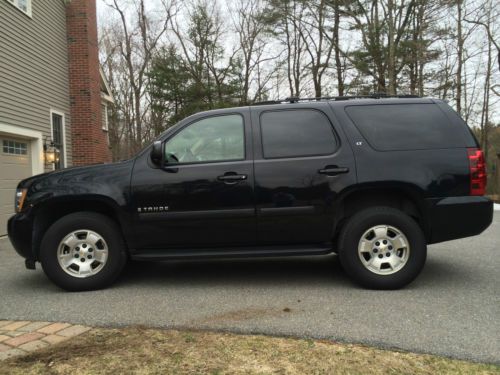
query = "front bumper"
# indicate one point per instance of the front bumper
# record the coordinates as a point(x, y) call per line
point(457, 217)
point(20, 231)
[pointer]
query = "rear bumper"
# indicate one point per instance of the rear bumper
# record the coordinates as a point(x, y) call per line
point(457, 217)
point(20, 230)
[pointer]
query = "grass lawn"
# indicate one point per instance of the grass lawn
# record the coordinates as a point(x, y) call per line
point(153, 351)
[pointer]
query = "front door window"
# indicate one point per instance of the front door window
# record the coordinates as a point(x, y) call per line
point(217, 138)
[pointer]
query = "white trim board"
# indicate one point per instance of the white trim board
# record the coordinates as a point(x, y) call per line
point(106, 95)
point(37, 163)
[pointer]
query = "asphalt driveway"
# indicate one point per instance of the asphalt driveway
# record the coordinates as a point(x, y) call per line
point(453, 308)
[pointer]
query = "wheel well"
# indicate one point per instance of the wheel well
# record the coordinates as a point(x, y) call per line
point(49, 213)
point(399, 199)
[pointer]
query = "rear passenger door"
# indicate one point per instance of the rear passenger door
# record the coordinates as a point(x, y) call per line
point(302, 162)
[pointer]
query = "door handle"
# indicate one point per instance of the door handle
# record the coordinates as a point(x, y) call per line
point(232, 177)
point(333, 170)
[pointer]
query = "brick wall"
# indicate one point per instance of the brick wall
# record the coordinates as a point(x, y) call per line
point(89, 141)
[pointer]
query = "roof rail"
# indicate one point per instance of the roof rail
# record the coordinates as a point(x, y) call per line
point(334, 98)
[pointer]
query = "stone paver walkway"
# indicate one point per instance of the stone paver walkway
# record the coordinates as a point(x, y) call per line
point(21, 337)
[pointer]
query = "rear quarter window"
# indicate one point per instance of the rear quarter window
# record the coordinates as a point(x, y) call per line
point(391, 127)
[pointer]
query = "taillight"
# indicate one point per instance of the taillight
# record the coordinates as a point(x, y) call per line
point(477, 168)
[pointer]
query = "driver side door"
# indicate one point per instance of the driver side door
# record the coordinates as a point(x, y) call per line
point(203, 195)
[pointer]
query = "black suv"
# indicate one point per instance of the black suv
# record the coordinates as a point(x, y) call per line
point(374, 180)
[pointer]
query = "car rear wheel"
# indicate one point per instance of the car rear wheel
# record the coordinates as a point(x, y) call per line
point(83, 251)
point(382, 248)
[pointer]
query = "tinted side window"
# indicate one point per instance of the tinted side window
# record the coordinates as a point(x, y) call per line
point(391, 127)
point(214, 138)
point(292, 133)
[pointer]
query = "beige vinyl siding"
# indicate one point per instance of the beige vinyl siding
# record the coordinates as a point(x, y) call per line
point(34, 67)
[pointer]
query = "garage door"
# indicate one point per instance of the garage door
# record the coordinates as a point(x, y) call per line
point(15, 164)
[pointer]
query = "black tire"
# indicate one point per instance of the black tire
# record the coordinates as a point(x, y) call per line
point(97, 223)
point(352, 233)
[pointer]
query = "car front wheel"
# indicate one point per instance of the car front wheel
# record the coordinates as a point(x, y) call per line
point(83, 251)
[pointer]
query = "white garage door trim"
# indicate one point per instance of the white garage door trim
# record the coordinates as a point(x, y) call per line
point(37, 163)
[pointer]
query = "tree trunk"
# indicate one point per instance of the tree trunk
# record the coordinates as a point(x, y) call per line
point(391, 64)
point(338, 62)
point(460, 46)
point(486, 102)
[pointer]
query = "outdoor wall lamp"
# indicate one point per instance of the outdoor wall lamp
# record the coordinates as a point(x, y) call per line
point(50, 153)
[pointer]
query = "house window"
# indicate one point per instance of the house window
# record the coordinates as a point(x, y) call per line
point(104, 117)
point(58, 140)
point(23, 5)
point(15, 148)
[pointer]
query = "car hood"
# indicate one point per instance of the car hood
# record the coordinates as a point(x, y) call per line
point(67, 175)
point(102, 180)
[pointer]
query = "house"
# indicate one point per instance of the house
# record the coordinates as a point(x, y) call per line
point(53, 97)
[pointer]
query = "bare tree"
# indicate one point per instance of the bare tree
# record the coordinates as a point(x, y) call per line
point(251, 31)
point(121, 135)
point(203, 49)
point(460, 56)
point(339, 66)
point(137, 47)
point(484, 16)
point(425, 32)
point(383, 26)
point(313, 28)
point(491, 12)
point(283, 19)
point(485, 119)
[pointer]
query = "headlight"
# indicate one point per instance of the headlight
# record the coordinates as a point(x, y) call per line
point(20, 196)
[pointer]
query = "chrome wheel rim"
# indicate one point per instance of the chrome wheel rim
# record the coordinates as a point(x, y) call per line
point(384, 249)
point(82, 253)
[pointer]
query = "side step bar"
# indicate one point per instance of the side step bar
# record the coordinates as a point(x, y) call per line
point(233, 252)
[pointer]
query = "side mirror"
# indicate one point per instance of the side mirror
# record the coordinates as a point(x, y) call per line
point(157, 152)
